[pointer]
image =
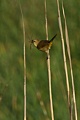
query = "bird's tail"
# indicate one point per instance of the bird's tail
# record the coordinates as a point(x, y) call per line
point(53, 38)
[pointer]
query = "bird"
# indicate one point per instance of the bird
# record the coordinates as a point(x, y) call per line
point(43, 45)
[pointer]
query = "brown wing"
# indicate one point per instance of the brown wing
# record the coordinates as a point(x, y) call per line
point(42, 44)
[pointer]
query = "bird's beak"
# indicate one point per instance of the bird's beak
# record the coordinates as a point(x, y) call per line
point(31, 42)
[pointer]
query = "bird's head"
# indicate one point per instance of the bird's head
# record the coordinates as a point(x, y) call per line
point(35, 42)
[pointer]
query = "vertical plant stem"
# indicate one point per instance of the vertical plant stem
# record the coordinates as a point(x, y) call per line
point(69, 55)
point(24, 61)
point(24, 81)
point(50, 89)
point(64, 55)
point(46, 23)
point(49, 70)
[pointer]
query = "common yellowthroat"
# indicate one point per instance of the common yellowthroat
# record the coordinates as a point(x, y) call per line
point(43, 45)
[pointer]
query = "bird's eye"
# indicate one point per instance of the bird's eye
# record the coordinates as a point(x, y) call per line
point(34, 41)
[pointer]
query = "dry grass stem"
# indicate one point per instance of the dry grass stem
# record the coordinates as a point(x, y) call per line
point(24, 61)
point(69, 55)
point(48, 64)
point(64, 55)
point(46, 21)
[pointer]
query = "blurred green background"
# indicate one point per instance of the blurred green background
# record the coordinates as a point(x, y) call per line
point(11, 59)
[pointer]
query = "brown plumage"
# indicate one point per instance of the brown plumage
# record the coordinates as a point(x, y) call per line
point(43, 45)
